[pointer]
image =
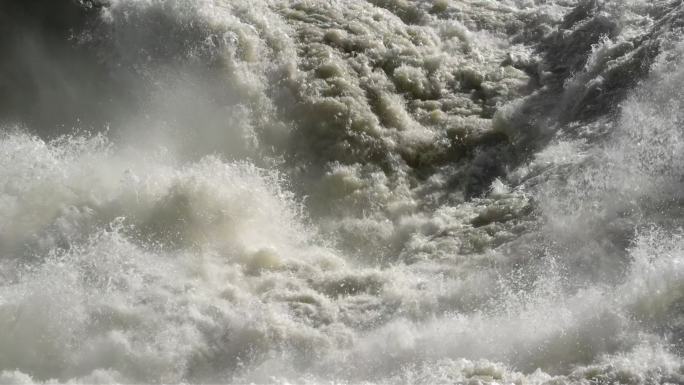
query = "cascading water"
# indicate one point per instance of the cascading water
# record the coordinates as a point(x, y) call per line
point(342, 191)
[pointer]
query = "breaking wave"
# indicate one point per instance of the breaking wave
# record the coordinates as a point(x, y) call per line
point(343, 191)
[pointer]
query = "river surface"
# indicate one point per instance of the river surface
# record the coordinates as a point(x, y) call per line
point(342, 192)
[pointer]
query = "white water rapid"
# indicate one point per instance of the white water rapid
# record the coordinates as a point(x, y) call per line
point(342, 192)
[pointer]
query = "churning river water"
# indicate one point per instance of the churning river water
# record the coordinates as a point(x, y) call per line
point(342, 191)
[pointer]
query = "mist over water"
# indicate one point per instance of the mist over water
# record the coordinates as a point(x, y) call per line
point(342, 191)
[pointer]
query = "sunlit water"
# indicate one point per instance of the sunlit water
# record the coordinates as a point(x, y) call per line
point(342, 191)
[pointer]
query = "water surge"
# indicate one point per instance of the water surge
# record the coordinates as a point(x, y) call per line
point(342, 191)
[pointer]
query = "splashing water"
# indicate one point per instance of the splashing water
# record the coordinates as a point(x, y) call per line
point(381, 191)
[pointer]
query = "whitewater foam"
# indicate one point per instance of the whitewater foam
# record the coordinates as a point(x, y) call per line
point(342, 191)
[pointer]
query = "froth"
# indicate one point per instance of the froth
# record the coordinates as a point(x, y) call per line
point(348, 192)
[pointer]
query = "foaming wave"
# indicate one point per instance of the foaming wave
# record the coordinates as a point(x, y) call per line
point(345, 191)
point(115, 251)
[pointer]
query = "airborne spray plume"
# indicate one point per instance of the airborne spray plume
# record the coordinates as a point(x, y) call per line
point(345, 191)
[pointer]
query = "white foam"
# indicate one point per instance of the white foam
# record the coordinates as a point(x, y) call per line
point(335, 192)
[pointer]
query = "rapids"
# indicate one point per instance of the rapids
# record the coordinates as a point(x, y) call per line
point(342, 191)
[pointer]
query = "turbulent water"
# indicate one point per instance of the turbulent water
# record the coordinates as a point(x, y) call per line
point(342, 191)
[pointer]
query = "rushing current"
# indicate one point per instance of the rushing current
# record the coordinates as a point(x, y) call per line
point(342, 192)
